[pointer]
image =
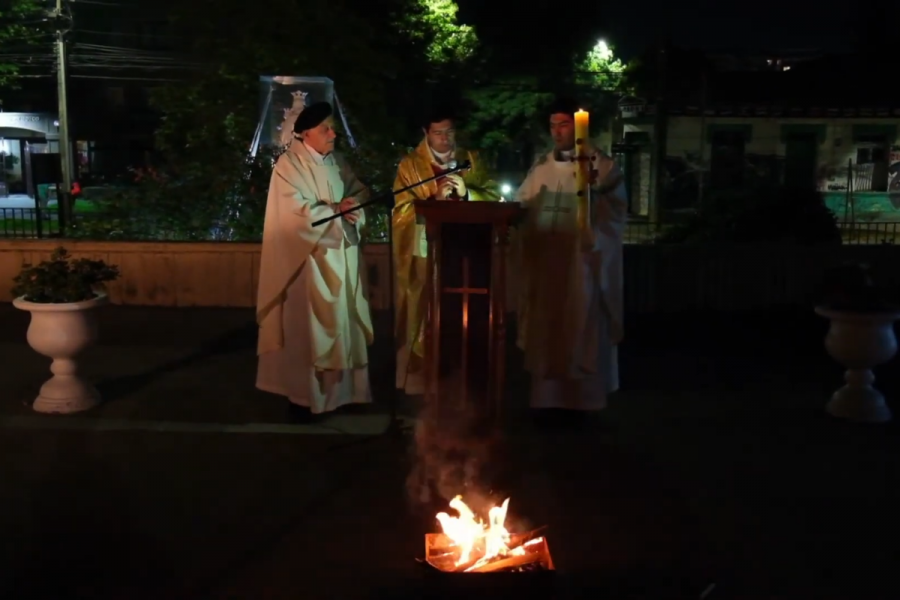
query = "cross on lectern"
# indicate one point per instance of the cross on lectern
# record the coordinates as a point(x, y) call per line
point(556, 208)
point(466, 291)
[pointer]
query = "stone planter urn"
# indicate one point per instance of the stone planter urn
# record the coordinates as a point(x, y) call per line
point(62, 332)
point(860, 340)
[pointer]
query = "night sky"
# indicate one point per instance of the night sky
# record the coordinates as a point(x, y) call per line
point(747, 26)
point(764, 25)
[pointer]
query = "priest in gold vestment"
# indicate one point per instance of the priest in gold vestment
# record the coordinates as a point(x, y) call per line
point(436, 154)
point(570, 309)
point(313, 315)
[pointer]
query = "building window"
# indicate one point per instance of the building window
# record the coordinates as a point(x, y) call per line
point(800, 158)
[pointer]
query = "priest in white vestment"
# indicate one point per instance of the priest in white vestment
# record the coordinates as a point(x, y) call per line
point(313, 315)
point(570, 309)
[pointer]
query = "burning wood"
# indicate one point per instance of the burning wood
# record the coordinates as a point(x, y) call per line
point(469, 545)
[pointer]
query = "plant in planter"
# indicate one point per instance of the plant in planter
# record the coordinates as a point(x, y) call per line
point(861, 337)
point(61, 294)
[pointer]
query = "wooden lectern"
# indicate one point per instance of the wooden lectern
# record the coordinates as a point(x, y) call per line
point(465, 327)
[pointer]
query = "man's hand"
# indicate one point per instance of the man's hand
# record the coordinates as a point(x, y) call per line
point(604, 187)
point(458, 184)
point(445, 189)
point(347, 204)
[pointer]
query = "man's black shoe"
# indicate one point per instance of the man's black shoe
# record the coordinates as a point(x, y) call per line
point(301, 415)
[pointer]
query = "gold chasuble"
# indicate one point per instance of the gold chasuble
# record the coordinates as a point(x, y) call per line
point(410, 252)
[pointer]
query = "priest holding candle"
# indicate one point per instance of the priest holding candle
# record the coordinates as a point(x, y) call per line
point(570, 309)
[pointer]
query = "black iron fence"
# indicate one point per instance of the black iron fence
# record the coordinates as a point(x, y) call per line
point(29, 223)
point(858, 233)
point(870, 233)
point(32, 223)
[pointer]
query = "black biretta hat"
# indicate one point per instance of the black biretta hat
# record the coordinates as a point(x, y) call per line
point(312, 116)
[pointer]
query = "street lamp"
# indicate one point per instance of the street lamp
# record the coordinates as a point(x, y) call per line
point(603, 50)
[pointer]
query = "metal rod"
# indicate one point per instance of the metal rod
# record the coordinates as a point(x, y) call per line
point(464, 387)
point(463, 166)
point(498, 318)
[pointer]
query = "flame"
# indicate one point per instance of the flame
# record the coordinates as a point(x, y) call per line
point(472, 535)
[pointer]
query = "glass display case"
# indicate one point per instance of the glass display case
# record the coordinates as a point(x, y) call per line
point(280, 95)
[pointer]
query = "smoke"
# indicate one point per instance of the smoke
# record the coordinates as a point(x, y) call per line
point(451, 456)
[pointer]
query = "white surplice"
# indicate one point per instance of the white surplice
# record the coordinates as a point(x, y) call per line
point(313, 315)
point(570, 304)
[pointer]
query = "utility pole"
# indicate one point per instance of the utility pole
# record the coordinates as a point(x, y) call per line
point(660, 135)
point(63, 25)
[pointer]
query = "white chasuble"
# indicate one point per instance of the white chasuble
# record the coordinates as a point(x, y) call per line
point(570, 299)
point(313, 315)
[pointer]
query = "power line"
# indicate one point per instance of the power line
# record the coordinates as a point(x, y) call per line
point(125, 34)
point(34, 36)
point(102, 56)
point(118, 49)
point(20, 23)
point(99, 3)
point(122, 78)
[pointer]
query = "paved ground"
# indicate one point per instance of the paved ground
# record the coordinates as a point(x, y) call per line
point(715, 464)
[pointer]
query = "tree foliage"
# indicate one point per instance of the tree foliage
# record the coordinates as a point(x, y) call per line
point(507, 111)
point(383, 56)
point(376, 54)
point(390, 60)
point(601, 69)
point(434, 24)
point(19, 29)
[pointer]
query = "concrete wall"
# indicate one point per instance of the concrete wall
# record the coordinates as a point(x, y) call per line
point(657, 278)
point(176, 274)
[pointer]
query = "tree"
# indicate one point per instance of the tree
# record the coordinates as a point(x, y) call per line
point(20, 22)
point(600, 69)
point(505, 113)
point(435, 24)
point(208, 122)
point(375, 52)
point(522, 45)
point(438, 54)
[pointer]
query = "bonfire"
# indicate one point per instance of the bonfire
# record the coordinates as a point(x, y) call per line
point(468, 544)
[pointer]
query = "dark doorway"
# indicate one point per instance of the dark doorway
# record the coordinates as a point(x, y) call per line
point(800, 161)
point(727, 159)
point(872, 157)
point(627, 160)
